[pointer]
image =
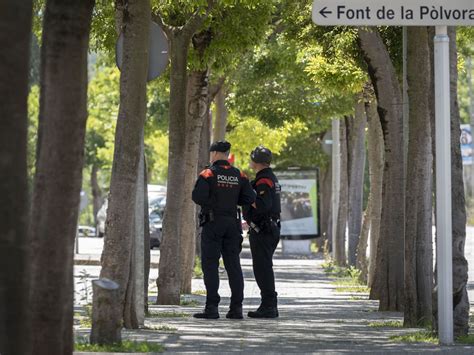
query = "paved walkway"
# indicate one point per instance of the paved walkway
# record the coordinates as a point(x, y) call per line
point(313, 319)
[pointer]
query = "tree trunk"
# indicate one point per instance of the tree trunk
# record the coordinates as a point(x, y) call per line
point(58, 180)
point(106, 316)
point(15, 34)
point(169, 279)
point(375, 153)
point(389, 282)
point(96, 192)
point(118, 244)
point(340, 242)
point(460, 266)
point(470, 177)
point(202, 163)
point(220, 124)
point(146, 235)
point(203, 159)
point(356, 169)
point(326, 208)
point(134, 315)
point(197, 112)
point(418, 223)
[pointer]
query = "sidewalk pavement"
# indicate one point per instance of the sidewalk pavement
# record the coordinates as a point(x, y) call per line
point(314, 318)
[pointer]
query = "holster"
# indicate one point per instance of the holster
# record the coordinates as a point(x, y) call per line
point(205, 217)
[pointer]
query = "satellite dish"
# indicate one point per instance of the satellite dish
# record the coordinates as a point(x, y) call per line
point(157, 55)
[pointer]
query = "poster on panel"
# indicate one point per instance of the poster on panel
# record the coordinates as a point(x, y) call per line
point(299, 204)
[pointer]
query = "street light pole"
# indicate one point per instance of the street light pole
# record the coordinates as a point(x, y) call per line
point(336, 181)
point(443, 186)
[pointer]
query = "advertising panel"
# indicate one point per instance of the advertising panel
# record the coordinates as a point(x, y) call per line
point(466, 144)
point(299, 204)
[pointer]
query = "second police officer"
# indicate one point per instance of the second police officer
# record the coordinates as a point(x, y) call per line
point(263, 218)
point(219, 190)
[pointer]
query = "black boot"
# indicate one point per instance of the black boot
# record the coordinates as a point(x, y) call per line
point(208, 313)
point(235, 313)
point(264, 312)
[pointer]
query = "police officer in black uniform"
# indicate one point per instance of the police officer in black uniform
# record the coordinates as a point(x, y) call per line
point(263, 218)
point(219, 190)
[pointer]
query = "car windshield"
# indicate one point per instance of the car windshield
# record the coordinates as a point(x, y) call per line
point(156, 214)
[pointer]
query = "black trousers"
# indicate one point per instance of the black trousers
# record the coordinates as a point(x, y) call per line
point(262, 246)
point(223, 237)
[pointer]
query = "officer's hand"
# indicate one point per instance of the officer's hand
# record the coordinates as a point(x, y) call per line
point(254, 205)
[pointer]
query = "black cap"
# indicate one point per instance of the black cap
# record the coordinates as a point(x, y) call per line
point(261, 155)
point(220, 146)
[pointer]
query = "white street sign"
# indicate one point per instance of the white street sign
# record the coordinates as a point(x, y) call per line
point(393, 13)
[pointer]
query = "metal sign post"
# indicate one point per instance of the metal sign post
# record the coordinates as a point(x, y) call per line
point(443, 186)
point(439, 13)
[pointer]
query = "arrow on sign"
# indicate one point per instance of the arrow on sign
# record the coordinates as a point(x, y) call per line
point(323, 12)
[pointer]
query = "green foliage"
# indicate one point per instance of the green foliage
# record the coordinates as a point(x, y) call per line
point(422, 336)
point(333, 270)
point(225, 24)
point(335, 76)
point(103, 106)
point(466, 339)
point(387, 324)
point(250, 132)
point(197, 272)
point(272, 85)
point(127, 346)
point(103, 30)
point(200, 292)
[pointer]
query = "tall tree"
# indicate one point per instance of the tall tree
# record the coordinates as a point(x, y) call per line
point(389, 281)
point(371, 223)
point(15, 34)
point(356, 169)
point(206, 55)
point(179, 37)
point(197, 111)
point(62, 122)
point(341, 223)
point(418, 222)
point(120, 226)
point(375, 153)
point(460, 266)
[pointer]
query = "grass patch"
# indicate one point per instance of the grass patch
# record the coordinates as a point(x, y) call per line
point(357, 298)
point(334, 270)
point(421, 336)
point(352, 285)
point(126, 346)
point(85, 317)
point(387, 324)
point(353, 289)
point(466, 339)
point(172, 314)
point(190, 303)
point(200, 292)
point(314, 248)
point(161, 328)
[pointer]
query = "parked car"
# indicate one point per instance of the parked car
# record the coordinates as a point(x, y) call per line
point(156, 205)
point(156, 209)
point(86, 231)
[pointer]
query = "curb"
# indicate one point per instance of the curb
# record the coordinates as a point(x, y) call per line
point(93, 262)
